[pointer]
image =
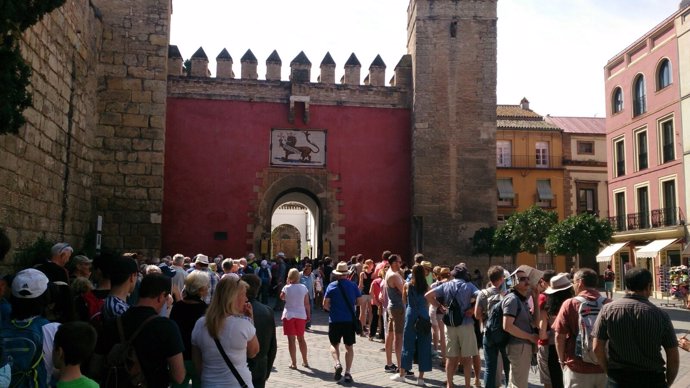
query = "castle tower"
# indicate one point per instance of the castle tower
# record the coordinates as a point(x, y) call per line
point(249, 64)
point(453, 50)
point(300, 68)
point(377, 72)
point(327, 75)
point(224, 65)
point(352, 71)
point(200, 64)
point(273, 65)
point(174, 61)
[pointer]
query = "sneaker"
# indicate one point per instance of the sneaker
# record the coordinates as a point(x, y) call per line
point(338, 372)
point(392, 368)
point(347, 378)
point(408, 373)
point(397, 378)
point(420, 383)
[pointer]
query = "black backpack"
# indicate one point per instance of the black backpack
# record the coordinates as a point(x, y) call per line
point(495, 334)
point(454, 314)
point(123, 367)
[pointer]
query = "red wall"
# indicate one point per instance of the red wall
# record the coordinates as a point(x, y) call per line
point(214, 150)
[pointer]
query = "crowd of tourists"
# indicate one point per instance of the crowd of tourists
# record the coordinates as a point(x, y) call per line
point(127, 321)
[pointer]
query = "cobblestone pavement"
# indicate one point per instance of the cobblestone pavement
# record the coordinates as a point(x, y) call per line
point(367, 368)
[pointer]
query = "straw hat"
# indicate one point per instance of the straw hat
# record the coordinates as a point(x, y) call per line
point(559, 282)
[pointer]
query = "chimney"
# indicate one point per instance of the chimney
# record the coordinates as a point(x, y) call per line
point(377, 72)
point(200, 64)
point(327, 70)
point(174, 61)
point(352, 69)
point(249, 64)
point(300, 68)
point(403, 72)
point(273, 66)
point(224, 65)
point(524, 103)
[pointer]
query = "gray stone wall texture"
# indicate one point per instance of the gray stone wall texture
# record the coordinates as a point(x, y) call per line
point(94, 137)
point(453, 48)
point(46, 169)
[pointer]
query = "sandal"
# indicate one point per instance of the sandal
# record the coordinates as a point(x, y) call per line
point(338, 372)
point(305, 364)
point(293, 367)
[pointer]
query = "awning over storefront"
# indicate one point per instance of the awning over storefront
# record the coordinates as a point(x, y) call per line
point(505, 189)
point(652, 249)
point(607, 253)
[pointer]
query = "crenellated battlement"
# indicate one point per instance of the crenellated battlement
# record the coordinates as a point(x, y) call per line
point(300, 68)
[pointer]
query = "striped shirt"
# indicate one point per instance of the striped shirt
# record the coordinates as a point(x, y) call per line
point(113, 307)
point(636, 330)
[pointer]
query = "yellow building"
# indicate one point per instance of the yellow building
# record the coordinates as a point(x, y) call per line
point(529, 171)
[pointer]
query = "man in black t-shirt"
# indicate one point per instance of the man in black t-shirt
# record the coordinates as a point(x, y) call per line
point(159, 344)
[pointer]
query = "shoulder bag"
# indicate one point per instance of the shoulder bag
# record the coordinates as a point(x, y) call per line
point(227, 361)
point(355, 322)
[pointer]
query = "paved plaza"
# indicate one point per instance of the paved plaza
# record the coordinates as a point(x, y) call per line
point(367, 369)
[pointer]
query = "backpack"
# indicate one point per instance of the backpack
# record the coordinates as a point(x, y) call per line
point(264, 275)
point(21, 345)
point(495, 334)
point(587, 315)
point(454, 314)
point(122, 363)
point(94, 306)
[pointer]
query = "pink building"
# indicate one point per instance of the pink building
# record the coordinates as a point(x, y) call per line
point(644, 137)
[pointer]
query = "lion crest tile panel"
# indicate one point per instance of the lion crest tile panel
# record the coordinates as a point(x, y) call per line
point(290, 147)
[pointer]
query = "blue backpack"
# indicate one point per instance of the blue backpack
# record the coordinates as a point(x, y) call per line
point(264, 275)
point(21, 345)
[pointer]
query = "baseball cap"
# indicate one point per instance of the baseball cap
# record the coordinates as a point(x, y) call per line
point(81, 259)
point(29, 284)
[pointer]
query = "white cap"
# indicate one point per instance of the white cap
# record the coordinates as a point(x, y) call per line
point(29, 283)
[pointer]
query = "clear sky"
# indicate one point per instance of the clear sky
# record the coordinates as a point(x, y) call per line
point(550, 51)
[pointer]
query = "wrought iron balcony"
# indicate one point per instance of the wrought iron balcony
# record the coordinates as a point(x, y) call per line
point(529, 161)
point(638, 221)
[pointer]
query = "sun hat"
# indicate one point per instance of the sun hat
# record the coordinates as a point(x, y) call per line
point(29, 284)
point(201, 259)
point(427, 265)
point(341, 269)
point(559, 282)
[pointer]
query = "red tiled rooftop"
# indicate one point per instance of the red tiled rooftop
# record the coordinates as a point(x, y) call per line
point(584, 125)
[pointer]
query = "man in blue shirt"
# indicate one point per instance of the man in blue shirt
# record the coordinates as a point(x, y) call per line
point(461, 340)
point(339, 294)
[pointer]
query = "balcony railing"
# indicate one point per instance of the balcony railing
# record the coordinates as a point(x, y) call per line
point(638, 221)
point(530, 161)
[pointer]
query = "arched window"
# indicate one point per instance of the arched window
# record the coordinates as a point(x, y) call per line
point(639, 96)
point(617, 101)
point(663, 75)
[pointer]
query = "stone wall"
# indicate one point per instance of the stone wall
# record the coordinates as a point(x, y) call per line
point(46, 169)
point(453, 48)
point(130, 135)
point(94, 138)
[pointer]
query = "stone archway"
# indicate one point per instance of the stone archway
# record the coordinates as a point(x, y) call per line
point(310, 188)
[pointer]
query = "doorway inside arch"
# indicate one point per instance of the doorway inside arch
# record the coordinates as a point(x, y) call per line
point(295, 226)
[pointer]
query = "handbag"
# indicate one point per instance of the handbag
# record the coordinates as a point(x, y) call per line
point(355, 322)
point(421, 325)
point(227, 361)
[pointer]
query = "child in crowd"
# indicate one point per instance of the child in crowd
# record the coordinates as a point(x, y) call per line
point(74, 343)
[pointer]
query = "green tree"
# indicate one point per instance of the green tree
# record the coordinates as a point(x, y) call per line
point(15, 17)
point(187, 67)
point(482, 242)
point(525, 231)
point(579, 234)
